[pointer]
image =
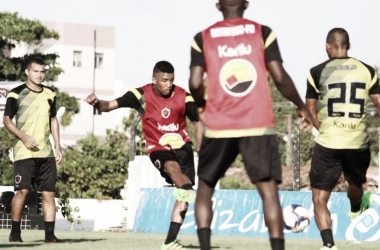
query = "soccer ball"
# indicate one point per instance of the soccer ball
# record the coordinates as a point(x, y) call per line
point(296, 218)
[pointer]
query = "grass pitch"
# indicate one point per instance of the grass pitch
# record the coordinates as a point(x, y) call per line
point(33, 239)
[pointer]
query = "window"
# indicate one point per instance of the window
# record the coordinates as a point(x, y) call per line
point(98, 60)
point(77, 59)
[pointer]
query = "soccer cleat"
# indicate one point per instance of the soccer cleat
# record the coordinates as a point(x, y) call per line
point(328, 248)
point(15, 237)
point(184, 195)
point(53, 240)
point(366, 203)
point(174, 245)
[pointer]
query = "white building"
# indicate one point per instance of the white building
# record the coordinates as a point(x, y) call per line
point(89, 66)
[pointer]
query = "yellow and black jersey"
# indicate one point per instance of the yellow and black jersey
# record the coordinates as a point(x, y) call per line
point(33, 111)
point(342, 87)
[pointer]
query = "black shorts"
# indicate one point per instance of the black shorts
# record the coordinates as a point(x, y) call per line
point(260, 155)
point(327, 165)
point(184, 156)
point(39, 172)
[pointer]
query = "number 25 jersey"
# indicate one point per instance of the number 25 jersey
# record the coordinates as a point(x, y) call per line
point(342, 87)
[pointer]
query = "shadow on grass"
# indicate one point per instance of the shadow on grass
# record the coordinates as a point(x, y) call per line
point(197, 247)
point(15, 245)
point(41, 242)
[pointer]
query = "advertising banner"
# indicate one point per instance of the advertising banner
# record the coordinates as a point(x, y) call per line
point(239, 213)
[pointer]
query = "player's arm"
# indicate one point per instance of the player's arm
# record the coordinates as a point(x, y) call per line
point(281, 78)
point(28, 141)
point(192, 113)
point(376, 100)
point(312, 95)
point(103, 106)
point(374, 91)
point(311, 105)
point(197, 69)
point(9, 113)
point(54, 130)
point(56, 137)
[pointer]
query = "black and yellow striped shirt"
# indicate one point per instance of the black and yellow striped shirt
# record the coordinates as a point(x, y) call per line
point(342, 87)
point(33, 111)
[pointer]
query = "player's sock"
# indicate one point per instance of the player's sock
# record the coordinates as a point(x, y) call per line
point(355, 205)
point(366, 202)
point(49, 229)
point(16, 227)
point(277, 243)
point(173, 232)
point(327, 238)
point(187, 186)
point(204, 238)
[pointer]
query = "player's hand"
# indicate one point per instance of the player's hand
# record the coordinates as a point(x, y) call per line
point(58, 155)
point(92, 99)
point(29, 141)
point(304, 119)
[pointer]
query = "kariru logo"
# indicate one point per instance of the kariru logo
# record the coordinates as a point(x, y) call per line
point(366, 225)
point(238, 77)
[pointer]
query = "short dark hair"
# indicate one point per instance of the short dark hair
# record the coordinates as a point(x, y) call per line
point(37, 60)
point(163, 66)
point(344, 42)
point(232, 3)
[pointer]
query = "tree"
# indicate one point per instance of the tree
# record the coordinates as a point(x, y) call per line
point(71, 105)
point(16, 30)
point(97, 169)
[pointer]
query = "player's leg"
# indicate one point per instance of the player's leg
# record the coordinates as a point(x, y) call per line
point(216, 155)
point(173, 170)
point(45, 182)
point(262, 161)
point(167, 163)
point(23, 174)
point(272, 212)
point(326, 168)
point(322, 215)
point(185, 159)
point(355, 165)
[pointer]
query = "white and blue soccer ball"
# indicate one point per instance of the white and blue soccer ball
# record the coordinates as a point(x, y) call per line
point(296, 218)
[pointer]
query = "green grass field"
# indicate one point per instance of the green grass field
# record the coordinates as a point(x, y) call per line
point(33, 239)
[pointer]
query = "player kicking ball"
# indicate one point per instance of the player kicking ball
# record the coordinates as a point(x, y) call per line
point(163, 108)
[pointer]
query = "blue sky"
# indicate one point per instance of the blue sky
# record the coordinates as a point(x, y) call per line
point(152, 30)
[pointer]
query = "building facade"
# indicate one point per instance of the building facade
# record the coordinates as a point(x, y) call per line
point(87, 56)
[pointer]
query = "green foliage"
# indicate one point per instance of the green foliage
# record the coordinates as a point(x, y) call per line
point(67, 211)
point(71, 104)
point(6, 165)
point(232, 182)
point(14, 30)
point(283, 108)
point(97, 170)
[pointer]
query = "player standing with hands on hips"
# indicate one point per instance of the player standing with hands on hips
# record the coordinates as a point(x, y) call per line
point(33, 105)
point(238, 113)
point(163, 108)
point(337, 95)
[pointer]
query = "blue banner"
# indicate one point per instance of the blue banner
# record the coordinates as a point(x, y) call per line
point(239, 213)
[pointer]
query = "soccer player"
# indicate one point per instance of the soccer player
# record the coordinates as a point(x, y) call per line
point(238, 112)
point(33, 105)
point(163, 108)
point(337, 95)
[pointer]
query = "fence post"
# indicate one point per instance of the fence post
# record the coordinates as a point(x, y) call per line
point(296, 159)
point(132, 144)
